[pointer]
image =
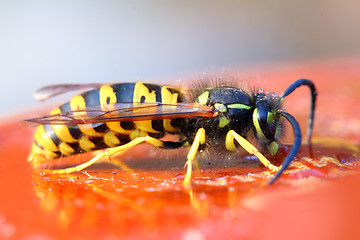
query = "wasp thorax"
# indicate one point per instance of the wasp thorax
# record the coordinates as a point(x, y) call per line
point(232, 107)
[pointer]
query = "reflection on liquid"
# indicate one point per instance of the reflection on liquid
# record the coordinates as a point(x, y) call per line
point(102, 202)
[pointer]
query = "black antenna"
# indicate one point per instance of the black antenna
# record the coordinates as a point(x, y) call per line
point(311, 85)
point(295, 147)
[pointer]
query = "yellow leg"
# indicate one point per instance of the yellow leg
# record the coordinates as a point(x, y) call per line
point(229, 143)
point(199, 139)
point(108, 152)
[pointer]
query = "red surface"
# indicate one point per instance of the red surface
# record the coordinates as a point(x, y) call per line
point(318, 198)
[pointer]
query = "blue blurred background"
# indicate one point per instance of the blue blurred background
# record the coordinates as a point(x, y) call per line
point(82, 41)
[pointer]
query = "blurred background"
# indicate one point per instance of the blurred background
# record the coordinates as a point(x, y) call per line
point(82, 41)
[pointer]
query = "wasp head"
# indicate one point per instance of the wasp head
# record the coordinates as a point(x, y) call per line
point(266, 120)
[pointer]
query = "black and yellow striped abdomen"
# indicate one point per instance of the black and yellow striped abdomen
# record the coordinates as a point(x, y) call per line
point(53, 141)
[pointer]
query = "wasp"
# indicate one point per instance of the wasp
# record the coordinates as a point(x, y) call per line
point(116, 117)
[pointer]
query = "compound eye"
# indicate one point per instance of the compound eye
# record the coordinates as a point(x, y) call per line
point(264, 123)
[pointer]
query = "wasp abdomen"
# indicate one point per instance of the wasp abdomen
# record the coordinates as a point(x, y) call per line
point(53, 141)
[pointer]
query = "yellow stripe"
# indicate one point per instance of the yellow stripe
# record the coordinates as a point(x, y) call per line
point(86, 144)
point(78, 102)
point(49, 154)
point(62, 131)
point(168, 97)
point(66, 149)
point(107, 95)
point(116, 127)
point(35, 152)
point(37, 156)
point(111, 140)
point(44, 139)
point(107, 99)
point(141, 91)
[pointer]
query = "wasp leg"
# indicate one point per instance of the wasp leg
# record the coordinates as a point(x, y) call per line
point(199, 139)
point(229, 143)
point(108, 152)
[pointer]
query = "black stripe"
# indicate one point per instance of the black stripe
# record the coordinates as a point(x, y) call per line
point(124, 92)
point(50, 133)
point(155, 88)
point(100, 127)
point(173, 145)
point(58, 154)
point(76, 147)
point(38, 144)
point(127, 125)
point(65, 107)
point(91, 98)
point(180, 97)
point(172, 90)
point(157, 135)
point(124, 138)
point(75, 132)
point(99, 142)
point(157, 125)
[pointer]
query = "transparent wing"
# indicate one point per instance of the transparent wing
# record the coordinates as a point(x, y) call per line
point(124, 112)
point(47, 92)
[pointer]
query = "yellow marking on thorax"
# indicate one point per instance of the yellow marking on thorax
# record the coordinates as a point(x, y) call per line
point(223, 121)
point(204, 97)
point(107, 100)
point(140, 90)
point(168, 97)
point(78, 102)
point(62, 131)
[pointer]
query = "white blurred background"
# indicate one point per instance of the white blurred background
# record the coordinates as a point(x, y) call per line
point(81, 41)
